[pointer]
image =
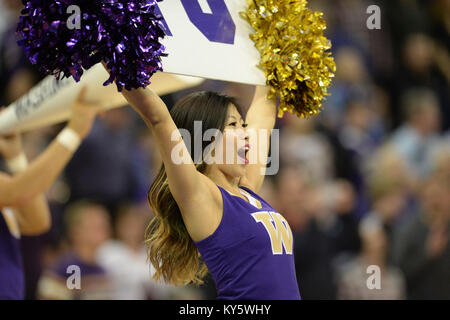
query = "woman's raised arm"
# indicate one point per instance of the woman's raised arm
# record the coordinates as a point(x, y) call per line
point(190, 188)
point(260, 119)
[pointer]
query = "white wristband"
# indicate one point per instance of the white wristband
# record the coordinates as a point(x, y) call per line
point(69, 139)
point(17, 164)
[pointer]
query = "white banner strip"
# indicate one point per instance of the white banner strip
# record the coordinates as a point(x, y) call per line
point(49, 102)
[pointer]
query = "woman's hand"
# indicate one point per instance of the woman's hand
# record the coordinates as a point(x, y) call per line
point(83, 115)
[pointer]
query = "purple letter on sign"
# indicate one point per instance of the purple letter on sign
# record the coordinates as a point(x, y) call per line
point(217, 26)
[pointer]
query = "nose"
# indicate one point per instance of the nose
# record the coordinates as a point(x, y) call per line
point(245, 134)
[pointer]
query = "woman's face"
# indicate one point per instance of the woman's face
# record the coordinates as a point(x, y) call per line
point(231, 151)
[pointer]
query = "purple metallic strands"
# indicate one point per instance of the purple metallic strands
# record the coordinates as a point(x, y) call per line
point(124, 34)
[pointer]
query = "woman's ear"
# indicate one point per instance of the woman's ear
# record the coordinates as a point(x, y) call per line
point(213, 152)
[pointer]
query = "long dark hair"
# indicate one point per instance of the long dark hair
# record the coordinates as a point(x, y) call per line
point(169, 246)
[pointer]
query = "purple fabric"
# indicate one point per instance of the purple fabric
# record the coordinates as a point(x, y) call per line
point(240, 258)
point(125, 35)
point(87, 269)
point(12, 283)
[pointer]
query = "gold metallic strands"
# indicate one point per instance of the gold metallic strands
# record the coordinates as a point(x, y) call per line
point(295, 55)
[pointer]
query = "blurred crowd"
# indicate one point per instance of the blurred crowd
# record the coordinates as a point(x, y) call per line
point(365, 183)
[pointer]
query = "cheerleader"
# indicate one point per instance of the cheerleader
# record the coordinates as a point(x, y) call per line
point(212, 210)
point(24, 209)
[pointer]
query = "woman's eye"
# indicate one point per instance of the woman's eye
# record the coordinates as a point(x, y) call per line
point(244, 125)
point(233, 124)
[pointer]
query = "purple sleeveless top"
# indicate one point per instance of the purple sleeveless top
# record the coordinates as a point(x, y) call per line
point(250, 255)
point(12, 282)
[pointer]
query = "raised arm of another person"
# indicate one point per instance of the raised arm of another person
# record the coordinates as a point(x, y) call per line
point(19, 190)
point(260, 121)
point(34, 217)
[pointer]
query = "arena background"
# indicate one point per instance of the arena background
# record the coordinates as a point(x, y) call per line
point(366, 183)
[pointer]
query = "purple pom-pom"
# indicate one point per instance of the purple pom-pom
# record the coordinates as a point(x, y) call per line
point(124, 34)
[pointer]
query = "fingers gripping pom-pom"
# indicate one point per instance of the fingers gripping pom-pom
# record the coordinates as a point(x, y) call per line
point(124, 34)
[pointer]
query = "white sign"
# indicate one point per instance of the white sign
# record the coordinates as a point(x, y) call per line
point(208, 38)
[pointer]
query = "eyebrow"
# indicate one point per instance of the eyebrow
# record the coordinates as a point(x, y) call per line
point(240, 118)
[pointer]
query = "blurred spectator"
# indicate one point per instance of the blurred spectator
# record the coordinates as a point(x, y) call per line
point(312, 263)
point(440, 12)
point(110, 167)
point(419, 67)
point(389, 190)
point(354, 276)
point(359, 136)
point(346, 26)
point(125, 259)
point(416, 141)
point(360, 133)
point(406, 17)
point(352, 80)
point(312, 216)
point(88, 227)
point(17, 75)
point(422, 247)
point(301, 144)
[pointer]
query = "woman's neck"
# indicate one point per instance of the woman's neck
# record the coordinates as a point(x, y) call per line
point(223, 180)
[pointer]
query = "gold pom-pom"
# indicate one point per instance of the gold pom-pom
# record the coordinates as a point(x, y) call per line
point(294, 52)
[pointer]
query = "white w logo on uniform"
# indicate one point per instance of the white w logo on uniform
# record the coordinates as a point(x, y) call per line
point(278, 229)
